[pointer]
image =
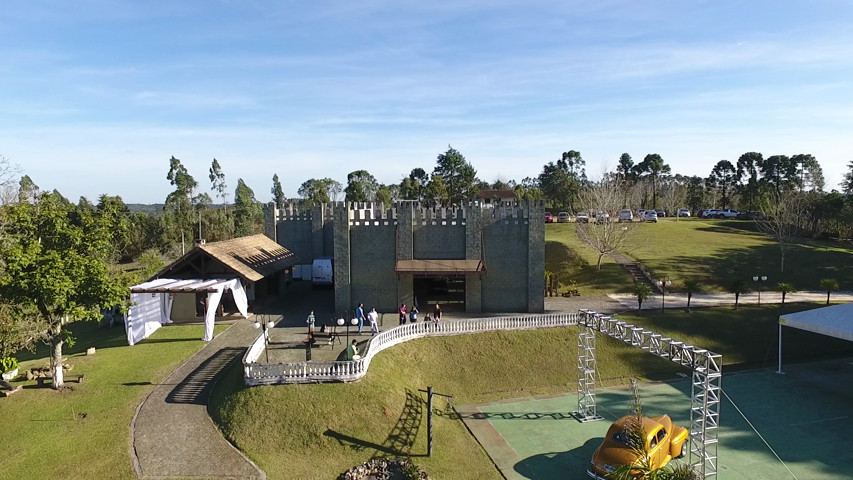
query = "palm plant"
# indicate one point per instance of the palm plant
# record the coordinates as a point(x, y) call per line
point(691, 286)
point(785, 288)
point(738, 287)
point(829, 285)
point(642, 292)
point(643, 467)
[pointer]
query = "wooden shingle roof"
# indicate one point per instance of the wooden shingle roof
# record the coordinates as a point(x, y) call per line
point(251, 258)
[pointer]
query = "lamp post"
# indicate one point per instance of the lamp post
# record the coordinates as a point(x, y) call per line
point(265, 322)
point(340, 322)
point(662, 284)
point(758, 279)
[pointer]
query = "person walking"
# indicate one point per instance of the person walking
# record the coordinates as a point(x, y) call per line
point(436, 314)
point(413, 315)
point(402, 314)
point(310, 321)
point(373, 317)
point(359, 315)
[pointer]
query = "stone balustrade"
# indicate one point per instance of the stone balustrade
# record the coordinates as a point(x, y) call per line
point(261, 373)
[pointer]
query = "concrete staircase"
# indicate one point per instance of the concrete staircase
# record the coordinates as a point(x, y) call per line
point(636, 270)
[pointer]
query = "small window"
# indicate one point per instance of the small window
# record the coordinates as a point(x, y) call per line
point(653, 444)
point(661, 435)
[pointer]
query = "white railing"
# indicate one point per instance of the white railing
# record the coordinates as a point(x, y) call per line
point(312, 372)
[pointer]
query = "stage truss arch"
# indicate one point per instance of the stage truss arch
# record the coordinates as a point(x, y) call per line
point(706, 382)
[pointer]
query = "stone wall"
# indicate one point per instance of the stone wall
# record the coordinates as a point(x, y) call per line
point(366, 240)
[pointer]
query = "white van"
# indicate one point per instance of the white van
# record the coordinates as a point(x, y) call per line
point(321, 272)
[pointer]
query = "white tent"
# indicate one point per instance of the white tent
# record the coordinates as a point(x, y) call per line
point(151, 303)
point(835, 321)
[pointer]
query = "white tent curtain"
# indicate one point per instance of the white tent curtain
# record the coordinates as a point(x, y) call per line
point(149, 311)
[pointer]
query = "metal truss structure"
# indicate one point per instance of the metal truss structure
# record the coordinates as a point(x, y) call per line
point(706, 380)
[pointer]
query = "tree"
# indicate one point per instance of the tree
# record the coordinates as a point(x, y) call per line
point(384, 195)
point(642, 292)
point(28, 191)
point(721, 179)
point(847, 181)
point(809, 172)
point(21, 328)
point(217, 179)
point(695, 193)
point(654, 167)
point(561, 182)
point(436, 192)
point(783, 222)
point(738, 287)
point(58, 268)
point(672, 195)
point(748, 166)
point(605, 237)
point(779, 173)
point(248, 214)
point(691, 286)
point(785, 288)
point(179, 204)
point(828, 285)
point(113, 211)
point(458, 175)
point(316, 192)
point(361, 186)
point(277, 192)
point(625, 167)
point(414, 186)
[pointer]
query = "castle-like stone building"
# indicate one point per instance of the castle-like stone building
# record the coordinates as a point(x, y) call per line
point(481, 257)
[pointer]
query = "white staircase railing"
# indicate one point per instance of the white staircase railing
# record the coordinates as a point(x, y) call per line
point(262, 373)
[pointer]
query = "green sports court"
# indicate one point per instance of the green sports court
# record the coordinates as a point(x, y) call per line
point(792, 426)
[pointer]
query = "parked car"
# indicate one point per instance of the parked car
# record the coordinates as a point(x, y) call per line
point(727, 213)
point(661, 212)
point(563, 217)
point(650, 216)
point(751, 216)
point(710, 213)
point(683, 212)
point(640, 213)
point(582, 217)
point(549, 218)
point(626, 215)
point(602, 217)
point(664, 441)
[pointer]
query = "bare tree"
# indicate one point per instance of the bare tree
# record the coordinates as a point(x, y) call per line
point(786, 215)
point(672, 195)
point(604, 235)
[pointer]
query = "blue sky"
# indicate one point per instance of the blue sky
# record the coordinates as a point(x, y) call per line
point(96, 96)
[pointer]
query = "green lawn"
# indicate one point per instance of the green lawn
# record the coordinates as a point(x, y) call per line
point(84, 431)
point(286, 429)
point(712, 251)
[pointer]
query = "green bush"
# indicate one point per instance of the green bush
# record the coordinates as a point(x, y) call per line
point(7, 364)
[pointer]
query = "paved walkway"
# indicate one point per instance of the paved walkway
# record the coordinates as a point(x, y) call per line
point(679, 300)
point(172, 434)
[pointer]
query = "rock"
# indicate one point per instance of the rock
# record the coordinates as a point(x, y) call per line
point(384, 469)
point(90, 351)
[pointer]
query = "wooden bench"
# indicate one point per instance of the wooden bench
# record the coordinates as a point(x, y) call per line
point(325, 337)
point(69, 377)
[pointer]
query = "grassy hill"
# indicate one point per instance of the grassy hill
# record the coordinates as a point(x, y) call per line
point(713, 251)
point(319, 431)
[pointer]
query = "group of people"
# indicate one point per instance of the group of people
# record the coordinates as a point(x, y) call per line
point(413, 314)
point(373, 318)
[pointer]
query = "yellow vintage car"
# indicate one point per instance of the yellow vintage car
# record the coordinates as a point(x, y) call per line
point(664, 441)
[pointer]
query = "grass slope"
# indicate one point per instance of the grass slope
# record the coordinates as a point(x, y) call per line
point(84, 431)
point(712, 251)
point(319, 431)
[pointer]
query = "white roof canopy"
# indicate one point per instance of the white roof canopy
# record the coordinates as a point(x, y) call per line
point(171, 285)
point(151, 303)
point(835, 321)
